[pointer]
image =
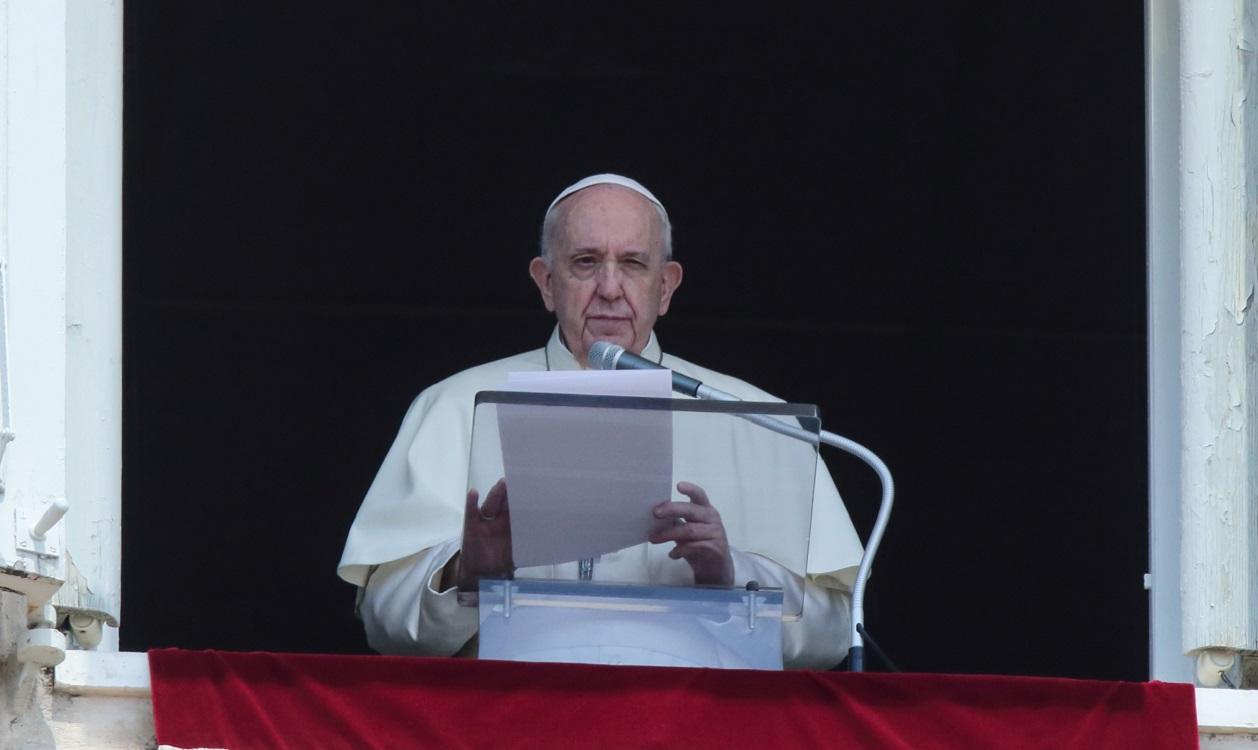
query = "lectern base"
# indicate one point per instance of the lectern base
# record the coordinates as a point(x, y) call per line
point(601, 623)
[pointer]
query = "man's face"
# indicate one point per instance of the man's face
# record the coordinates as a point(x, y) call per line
point(607, 279)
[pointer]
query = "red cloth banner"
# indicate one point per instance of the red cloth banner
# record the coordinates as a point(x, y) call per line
point(258, 700)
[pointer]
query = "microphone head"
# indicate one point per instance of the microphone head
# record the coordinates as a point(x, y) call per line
point(603, 355)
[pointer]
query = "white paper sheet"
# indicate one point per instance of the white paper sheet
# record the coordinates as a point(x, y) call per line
point(581, 481)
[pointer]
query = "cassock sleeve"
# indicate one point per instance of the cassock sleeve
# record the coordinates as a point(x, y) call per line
point(405, 613)
point(818, 640)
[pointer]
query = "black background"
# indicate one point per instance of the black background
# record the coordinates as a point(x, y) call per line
point(927, 218)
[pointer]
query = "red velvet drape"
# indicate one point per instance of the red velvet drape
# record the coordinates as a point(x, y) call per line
point(259, 700)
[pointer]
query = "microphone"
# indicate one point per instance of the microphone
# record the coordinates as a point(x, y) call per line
point(605, 355)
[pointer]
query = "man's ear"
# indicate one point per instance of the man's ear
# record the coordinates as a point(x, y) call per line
point(671, 280)
point(540, 271)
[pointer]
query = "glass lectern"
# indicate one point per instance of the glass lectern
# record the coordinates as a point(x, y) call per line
point(556, 545)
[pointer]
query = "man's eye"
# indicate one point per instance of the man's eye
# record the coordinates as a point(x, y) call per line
point(584, 261)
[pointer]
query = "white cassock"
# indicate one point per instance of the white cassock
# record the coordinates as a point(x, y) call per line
point(410, 523)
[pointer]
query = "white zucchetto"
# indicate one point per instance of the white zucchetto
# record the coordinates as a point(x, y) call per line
point(606, 179)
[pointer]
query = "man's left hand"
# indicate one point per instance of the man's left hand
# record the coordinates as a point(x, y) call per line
point(700, 536)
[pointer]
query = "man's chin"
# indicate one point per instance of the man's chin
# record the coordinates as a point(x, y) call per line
point(621, 335)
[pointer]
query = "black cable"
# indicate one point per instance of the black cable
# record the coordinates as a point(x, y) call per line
point(873, 645)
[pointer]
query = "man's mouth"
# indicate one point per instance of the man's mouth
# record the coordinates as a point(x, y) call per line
point(606, 325)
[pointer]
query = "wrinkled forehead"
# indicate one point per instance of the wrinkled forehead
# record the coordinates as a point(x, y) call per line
point(609, 216)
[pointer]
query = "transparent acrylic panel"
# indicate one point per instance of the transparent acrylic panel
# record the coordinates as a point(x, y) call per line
point(565, 478)
point(617, 623)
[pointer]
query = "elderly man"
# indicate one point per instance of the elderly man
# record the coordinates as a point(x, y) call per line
point(606, 272)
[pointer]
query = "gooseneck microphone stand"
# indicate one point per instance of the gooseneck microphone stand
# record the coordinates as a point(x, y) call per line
point(607, 356)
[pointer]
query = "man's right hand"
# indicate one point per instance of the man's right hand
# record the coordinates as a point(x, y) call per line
point(486, 540)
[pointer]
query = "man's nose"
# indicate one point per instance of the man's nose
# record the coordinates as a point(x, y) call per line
point(610, 280)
